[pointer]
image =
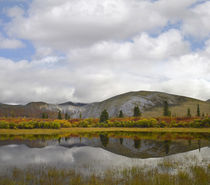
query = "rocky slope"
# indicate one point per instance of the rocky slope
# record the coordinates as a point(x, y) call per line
point(149, 102)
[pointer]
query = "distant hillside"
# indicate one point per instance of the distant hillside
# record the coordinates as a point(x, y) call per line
point(149, 102)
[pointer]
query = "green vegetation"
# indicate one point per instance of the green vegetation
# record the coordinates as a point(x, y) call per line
point(45, 175)
point(104, 116)
point(67, 116)
point(179, 110)
point(62, 132)
point(189, 113)
point(166, 111)
point(164, 122)
point(33, 124)
point(136, 112)
point(198, 110)
point(121, 114)
point(44, 115)
point(59, 115)
point(145, 123)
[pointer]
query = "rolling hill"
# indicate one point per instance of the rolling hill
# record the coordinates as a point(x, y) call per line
point(149, 102)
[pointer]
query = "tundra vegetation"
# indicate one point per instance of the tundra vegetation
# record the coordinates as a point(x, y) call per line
point(195, 175)
point(167, 121)
point(161, 122)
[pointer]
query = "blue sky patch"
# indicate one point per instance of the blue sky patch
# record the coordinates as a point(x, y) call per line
point(24, 53)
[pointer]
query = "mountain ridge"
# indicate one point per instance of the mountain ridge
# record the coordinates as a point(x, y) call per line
point(149, 102)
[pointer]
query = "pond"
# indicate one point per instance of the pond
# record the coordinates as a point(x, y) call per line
point(100, 151)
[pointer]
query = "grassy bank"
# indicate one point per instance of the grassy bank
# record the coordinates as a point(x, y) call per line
point(89, 130)
point(196, 175)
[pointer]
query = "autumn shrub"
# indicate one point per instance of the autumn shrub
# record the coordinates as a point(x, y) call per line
point(154, 122)
point(55, 125)
point(4, 124)
point(200, 123)
point(162, 124)
point(12, 125)
point(46, 124)
point(144, 123)
point(30, 123)
point(89, 122)
point(180, 124)
point(83, 123)
point(205, 122)
point(63, 123)
point(39, 124)
point(25, 125)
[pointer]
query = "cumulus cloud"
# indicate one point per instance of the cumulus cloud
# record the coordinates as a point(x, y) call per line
point(6, 43)
point(26, 81)
point(162, 63)
point(69, 24)
point(141, 54)
point(196, 23)
point(15, 11)
point(91, 50)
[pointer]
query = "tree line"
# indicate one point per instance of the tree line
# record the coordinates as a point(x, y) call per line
point(137, 113)
point(104, 116)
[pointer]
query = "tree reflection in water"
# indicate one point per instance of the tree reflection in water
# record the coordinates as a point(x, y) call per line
point(104, 139)
point(167, 144)
point(121, 141)
point(137, 143)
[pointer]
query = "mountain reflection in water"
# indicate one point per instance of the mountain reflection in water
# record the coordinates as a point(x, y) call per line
point(134, 145)
point(96, 152)
point(95, 158)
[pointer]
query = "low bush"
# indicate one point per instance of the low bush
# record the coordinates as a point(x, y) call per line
point(4, 124)
point(24, 123)
point(12, 125)
point(63, 123)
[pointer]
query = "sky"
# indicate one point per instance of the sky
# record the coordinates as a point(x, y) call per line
point(89, 50)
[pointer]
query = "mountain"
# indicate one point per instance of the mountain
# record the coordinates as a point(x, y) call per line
point(149, 102)
point(72, 103)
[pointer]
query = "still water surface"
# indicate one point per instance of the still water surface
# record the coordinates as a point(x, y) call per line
point(104, 150)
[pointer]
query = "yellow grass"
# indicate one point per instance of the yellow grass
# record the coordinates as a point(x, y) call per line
point(79, 130)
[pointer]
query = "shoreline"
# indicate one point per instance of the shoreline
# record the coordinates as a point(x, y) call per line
point(89, 130)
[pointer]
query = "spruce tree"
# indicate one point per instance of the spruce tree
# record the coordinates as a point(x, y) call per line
point(59, 115)
point(166, 111)
point(66, 116)
point(69, 117)
point(198, 110)
point(104, 116)
point(121, 114)
point(43, 115)
point(136, 111)
point(188, 113)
